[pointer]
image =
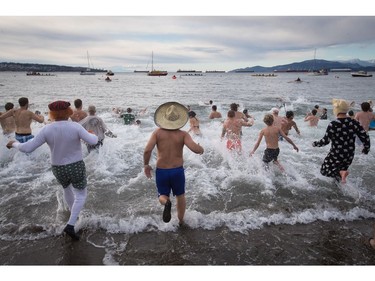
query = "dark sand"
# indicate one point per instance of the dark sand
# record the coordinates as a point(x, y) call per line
point(318, 243)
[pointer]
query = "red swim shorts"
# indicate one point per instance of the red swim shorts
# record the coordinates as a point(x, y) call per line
point(234, 144)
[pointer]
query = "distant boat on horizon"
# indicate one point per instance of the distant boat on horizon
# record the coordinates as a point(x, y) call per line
point(340, 70)
point(88, 70)
point(141, 71)
point(154, 72)
point(361, 73)
point(189, 71)
point(215, 71)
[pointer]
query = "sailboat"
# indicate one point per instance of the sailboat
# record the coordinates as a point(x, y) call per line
point(88, 70)
point(154, 72)
point(318, 72)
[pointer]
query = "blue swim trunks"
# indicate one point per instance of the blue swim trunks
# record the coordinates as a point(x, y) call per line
point(170, 179)
point(22, 138)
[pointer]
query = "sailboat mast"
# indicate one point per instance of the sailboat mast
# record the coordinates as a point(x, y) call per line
point(88, 60)
point(152, 60)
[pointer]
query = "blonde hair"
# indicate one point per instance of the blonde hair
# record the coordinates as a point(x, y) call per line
point(268, 119)
point(61, 114)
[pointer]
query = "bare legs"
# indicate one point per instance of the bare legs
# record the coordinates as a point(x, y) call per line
point(344, 174)
point(181, 205)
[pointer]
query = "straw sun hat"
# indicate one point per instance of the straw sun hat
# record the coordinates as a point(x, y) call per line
point(171, 116)
point(340, 106)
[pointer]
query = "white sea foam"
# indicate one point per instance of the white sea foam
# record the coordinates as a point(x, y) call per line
point(222, 189)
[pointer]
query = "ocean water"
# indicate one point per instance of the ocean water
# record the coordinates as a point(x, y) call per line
point(223, 190)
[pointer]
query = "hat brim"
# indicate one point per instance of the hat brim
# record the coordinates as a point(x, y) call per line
point(162, 122)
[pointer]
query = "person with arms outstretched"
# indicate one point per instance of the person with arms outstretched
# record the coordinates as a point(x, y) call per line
point(64, 140)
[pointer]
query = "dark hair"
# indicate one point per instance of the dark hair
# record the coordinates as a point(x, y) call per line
point(23, 101)
point(314, 111)
point(316, 106)
point(245, 111)
point(350, 113)
point(289, 114)
point(234, 106)
point(128, 110)
point(365, 106)
point(9, 105)
point(192, 114)
point(78, 103)
point(214, 107)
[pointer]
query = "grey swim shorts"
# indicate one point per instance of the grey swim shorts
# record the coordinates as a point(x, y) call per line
point(74, 173)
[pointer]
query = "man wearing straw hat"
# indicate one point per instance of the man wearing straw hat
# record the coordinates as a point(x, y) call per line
point(170, 117)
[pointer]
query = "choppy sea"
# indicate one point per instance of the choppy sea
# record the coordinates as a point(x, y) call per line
point(224, 191)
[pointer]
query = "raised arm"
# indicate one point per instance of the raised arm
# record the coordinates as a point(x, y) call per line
point(37, 117)
point(257, 143)
point(192, 145)
point(288, 139)
point(7, 114)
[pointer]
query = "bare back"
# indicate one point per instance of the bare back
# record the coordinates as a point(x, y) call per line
point(23, 119)
point(232, 127)
point(271, 135)
point(215, 114)
point(8, 125)
point(78, 115)
point(364, 118)
point(170, 144)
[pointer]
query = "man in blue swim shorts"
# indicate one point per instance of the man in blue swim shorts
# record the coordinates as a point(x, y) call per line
point(23, 118)
point(170, 117)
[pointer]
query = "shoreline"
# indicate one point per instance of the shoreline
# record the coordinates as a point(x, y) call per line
point(319, 243)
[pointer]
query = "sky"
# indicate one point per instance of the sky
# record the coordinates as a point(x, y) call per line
point(183, 35)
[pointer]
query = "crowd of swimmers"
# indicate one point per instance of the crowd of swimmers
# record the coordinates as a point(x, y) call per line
point(67, 128)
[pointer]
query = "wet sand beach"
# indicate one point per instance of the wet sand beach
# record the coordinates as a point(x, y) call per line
point(318, 243)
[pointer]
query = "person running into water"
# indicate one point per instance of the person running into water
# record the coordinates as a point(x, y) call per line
point(271, 135)
point(170, 117)
point(341, 133)
point(214, 113)
point(8, 124)
point(78, 113)
point(194, 124)
point(64, 140)
point(238, 114)
point(129, 117)
point(289, 123)
point(365, 116)
point(277, 120)
point(95, 124)
point(312, 118)
point(324, 114)
point(23, 118)
point(232, 130)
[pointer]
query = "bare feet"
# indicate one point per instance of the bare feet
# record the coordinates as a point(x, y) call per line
point(344, 175)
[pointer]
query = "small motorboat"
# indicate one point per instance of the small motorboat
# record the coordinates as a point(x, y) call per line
point(361, 74)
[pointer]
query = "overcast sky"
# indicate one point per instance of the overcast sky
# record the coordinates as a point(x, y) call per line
point(124, 42)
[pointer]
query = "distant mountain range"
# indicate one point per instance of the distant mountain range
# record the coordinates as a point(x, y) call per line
point(34, 67)
point(313, 65)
